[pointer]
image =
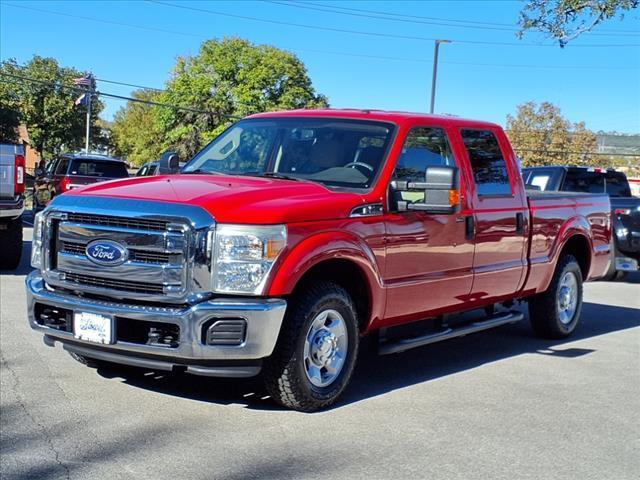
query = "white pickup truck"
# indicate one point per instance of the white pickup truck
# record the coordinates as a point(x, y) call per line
point(12, 187)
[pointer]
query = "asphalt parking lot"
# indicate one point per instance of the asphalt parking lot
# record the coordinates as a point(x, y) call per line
point(499, 404)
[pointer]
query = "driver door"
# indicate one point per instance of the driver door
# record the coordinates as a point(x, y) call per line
point(428, 257)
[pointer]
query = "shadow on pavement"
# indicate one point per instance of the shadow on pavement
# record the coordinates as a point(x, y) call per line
point(377, 375)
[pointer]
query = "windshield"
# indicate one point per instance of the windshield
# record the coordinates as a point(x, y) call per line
point(335, 152)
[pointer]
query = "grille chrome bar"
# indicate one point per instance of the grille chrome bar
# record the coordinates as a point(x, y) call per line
point(122, 222)
point(134, 255)
point(124, 285)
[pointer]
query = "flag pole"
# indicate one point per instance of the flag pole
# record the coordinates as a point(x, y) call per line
point(89, 92)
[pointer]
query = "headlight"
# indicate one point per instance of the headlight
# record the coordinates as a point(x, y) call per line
point(36, 242)
point(243, 256)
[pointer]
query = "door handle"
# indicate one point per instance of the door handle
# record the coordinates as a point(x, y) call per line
point(519, 222)
point(469, 227)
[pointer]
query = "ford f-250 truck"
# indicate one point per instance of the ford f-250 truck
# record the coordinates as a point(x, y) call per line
point(293, 235)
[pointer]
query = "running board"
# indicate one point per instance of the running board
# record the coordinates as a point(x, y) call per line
point(396, 346)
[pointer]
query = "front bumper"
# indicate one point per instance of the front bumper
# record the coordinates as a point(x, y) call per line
point(263, 321)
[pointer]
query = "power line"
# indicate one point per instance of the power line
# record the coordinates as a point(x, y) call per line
point(345, 54)
point(566, 152)
point(111, 95)
point(368, 33)
point(130, 85)
point(424, 21)
point(420, 17)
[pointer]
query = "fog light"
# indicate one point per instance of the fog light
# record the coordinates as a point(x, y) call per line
point(225, 332)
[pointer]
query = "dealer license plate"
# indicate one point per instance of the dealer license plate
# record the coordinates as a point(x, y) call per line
point(93, 327)
point(626, 264)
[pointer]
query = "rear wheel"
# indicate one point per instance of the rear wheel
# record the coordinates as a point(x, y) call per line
point(10, 244)
point(316, 351)
point(556, 312)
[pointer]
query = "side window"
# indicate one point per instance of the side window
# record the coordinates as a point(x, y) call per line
point(423, 147)
point(584, 181)
point(487, 163)
point(62, 167)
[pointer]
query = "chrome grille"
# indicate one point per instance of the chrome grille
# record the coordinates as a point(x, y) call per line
point(166, 242)
point(122, 285)
point(134, 255)
point(120, 222)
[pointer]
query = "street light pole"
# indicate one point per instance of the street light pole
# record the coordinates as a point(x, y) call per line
point(435, 72)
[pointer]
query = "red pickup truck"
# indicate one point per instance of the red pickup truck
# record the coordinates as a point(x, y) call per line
point(293, 235)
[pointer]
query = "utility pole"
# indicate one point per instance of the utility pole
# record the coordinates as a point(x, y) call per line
point(86, 143)
point(435, 72)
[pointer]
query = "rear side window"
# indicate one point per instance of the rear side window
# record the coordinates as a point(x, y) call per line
point(62, 166)
point(487, 162)
point(583, 181)
point(93, 168)
point(617, 184)
point(423, 147)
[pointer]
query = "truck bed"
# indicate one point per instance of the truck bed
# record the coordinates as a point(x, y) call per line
point(554, 216)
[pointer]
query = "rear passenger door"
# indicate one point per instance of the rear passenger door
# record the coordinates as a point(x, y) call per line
point(500, 215)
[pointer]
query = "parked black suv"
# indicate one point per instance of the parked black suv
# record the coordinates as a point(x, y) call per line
point(625, 209)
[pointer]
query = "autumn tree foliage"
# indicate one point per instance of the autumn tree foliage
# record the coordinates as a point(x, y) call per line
point(540, 135)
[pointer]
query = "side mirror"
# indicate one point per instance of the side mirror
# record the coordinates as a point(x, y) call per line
point(169, 163)
point(441, 191)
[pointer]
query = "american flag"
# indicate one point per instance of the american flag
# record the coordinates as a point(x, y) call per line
point(85, 81)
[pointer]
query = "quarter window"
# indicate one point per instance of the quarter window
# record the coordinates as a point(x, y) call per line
point(487, 162)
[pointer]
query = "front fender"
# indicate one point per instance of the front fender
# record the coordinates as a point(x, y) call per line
point(334, 245)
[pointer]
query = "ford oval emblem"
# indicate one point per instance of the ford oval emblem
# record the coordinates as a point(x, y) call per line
point(107, 253)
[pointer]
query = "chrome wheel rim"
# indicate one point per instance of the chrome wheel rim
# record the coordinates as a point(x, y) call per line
point(567, 301)
point(325, 348)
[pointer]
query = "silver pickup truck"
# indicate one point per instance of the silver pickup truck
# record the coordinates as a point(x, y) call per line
point(12, 186)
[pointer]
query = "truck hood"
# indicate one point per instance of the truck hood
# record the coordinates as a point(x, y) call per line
point(234, 199)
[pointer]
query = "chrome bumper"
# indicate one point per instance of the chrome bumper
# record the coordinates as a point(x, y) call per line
point(263, 321)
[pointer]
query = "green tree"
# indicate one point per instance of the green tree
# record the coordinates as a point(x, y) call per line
point(540, 135)
point(230, 78)
point(134, 132)
point(9, 112)
point(47, 107)
point(565, 20)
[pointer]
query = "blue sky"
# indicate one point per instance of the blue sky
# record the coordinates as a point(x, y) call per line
point(598, 85)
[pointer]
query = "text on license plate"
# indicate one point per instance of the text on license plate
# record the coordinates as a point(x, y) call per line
point(92, 327)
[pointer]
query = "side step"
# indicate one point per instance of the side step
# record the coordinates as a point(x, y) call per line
point(401, 345)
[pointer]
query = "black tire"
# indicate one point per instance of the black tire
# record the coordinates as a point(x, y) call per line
point(11, 244)
point(544, 311)
point(284, 372)
point(612, 273)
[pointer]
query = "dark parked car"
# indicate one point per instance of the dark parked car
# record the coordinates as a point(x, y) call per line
point(74, 170)
point(625, 209)
point(148, 169)
point(151, 168)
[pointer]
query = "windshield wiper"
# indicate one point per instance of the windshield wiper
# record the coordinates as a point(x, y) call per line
point(278, 175)
point(200, 171)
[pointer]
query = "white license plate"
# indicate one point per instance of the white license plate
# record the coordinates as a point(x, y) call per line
point(93, 327)
point(626, 264)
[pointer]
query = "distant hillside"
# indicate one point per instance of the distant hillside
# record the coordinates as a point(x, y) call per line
point(612, 143)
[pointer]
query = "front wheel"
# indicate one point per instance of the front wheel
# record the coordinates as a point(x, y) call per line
point(316, 351)
point(555, 313)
